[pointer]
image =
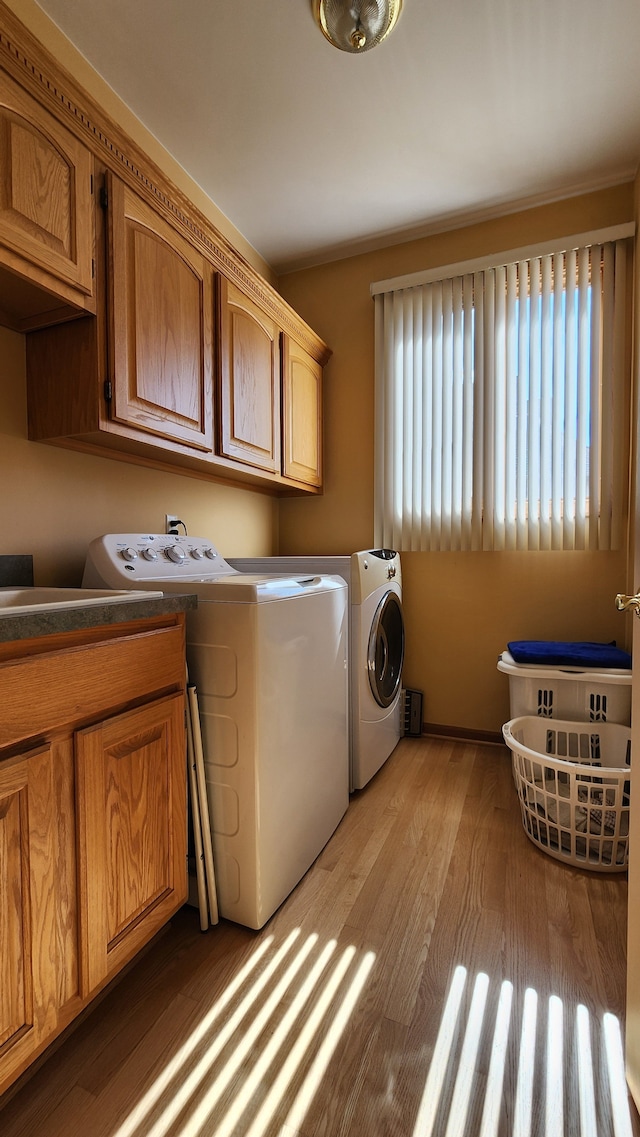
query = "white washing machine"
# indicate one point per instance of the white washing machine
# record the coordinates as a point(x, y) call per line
point(268, 656)
point(374, 644)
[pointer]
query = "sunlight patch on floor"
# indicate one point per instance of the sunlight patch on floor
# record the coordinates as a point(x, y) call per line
point(468, 1058)
point(617, 1080)
point(263, 1047)
point(526, 1065)
point(588, 1126)
point(561, 1056)
point(495, 1079)
point(178, 1062)
point(554, 1097)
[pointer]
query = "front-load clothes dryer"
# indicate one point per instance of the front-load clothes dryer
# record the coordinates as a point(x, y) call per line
point(372, 737)
point(268, 656)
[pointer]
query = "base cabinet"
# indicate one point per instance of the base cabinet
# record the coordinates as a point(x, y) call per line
point(132, 827)
point(28, 979)
point(93, 826)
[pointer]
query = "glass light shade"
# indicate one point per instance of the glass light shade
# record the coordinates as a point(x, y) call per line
point(356, 25)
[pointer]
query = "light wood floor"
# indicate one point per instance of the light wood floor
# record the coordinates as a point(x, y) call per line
point(433, 975)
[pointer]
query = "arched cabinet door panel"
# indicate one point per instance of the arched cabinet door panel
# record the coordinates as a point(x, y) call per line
point(249, 380)
point(160, 326)
point(46, 212)
point(28, 978)
point(301, 414)
point(130, 774)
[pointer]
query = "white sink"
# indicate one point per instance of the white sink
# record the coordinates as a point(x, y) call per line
point(16, 601)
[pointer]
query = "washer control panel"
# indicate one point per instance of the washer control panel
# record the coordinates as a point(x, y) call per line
point(119, 557)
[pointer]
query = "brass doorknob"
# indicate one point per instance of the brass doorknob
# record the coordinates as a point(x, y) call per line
point(628, 603)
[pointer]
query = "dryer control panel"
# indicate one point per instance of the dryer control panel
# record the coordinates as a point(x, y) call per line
point(383, 554)
point(371, 569)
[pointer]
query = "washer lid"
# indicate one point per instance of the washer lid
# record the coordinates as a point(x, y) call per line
point(253, 588)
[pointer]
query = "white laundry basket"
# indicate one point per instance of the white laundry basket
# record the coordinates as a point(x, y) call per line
point(590, 694)
point(573, 784)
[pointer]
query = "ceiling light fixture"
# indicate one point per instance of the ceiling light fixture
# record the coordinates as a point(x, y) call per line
point(356, 25)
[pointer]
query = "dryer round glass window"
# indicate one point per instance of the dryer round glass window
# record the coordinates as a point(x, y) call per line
point(386, 650)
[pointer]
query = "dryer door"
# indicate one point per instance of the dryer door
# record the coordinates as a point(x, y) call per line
point(386, 649)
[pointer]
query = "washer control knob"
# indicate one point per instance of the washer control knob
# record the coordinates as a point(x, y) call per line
point(149, 554)
point(175, 554)
point(210, 554)
point(196, 554)
point(129, 554)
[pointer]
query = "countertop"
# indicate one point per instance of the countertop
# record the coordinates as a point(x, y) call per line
point(31, 625)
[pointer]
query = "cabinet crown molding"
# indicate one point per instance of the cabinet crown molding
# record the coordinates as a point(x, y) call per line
point(32, 65)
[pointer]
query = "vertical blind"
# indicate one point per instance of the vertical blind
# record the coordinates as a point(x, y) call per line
point(502, 406)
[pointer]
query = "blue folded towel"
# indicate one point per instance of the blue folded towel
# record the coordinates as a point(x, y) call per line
point(557, 653)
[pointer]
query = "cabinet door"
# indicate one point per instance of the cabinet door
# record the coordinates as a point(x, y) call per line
point(46, 203)
point(249, 395)
point(131, 794)
point(28, 972)
point(301, 414)
point(160, 324)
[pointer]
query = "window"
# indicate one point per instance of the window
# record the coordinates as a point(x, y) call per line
point(502, 404)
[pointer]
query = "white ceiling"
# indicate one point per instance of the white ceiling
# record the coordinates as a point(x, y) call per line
point(312, 152)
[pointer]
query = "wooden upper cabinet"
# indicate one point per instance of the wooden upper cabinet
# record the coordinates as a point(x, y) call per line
point(150, 339)
point(46, 214)
point(28, 959)
point(301, 414)
point(160, 298)
point(249, 380)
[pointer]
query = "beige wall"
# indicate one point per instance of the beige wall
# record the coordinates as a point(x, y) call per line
point(461, 608)
point(55, 501)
